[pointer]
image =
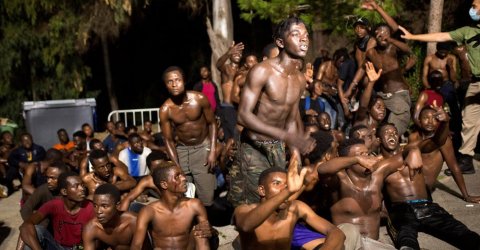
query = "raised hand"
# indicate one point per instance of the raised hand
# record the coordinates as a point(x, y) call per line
point(309, 72)
point(371, 73)
point(369, 5)
point(294, 179)
point(368, 162)
point(440, 115)
point(236, 48)
point(407, 35)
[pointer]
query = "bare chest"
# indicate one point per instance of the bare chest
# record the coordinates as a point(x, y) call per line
point(185, 113)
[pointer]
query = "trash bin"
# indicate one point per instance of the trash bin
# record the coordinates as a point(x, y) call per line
point(44, 118)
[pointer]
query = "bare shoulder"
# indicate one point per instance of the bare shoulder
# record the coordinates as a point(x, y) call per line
point(166, 105)
point(261, 70)
point(87, 177)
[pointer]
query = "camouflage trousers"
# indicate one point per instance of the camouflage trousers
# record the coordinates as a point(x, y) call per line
point(250, 160)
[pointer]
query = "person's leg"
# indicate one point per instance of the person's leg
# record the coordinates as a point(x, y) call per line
point(253, 164)
point(470, 125)
point(353, 238)
point(236, 181)
point(204, 180)
point(448, 93)
point(399, 105)
point(403, 226)
point(46, 239)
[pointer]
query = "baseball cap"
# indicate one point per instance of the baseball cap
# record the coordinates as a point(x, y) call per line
point(362, 21)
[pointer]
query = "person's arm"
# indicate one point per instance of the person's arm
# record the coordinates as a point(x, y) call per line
point(33, 202)
point(321, 71)
point(372, 5)
point(167, 132)
point(452, 69)
point(235, 48)
point(373, 76)
point(124, 181)
point(429, 37)
point(422, 99)
point(201, 242)
point(335, 237)
point(89, 236)
point(426, 66)
point(235, 95)
point(338, 163)
point(28, 232)
point(84, 166)
point(248, 219)
point(27, 185)
point(143, 184)
point(143, 220)
point(212, 128)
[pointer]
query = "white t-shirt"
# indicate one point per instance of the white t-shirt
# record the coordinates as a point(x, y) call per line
point(137, 164)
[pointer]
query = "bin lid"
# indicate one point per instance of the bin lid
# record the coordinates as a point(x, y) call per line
point(30, 105)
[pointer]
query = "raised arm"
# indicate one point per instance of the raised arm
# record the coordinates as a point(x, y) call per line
point(167, 132)
point(143, 184)
point(338, 163)
point(372, 5)
point(235, 48)
point(429, 37)
point(373, 76)
point(422, 99)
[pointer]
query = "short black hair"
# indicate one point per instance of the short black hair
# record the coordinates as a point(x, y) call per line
point(26, 134)
point(344, 148)
point(61, 130)
point(284, 26)
point(323, 141)
point(131, 127)
point(133, 135)
point(86, 125)
point(384, 124)
point(339, 53)
point(161, 174)
point(108, 189)
point(171, 69)
point(380, 25)
point(269, 47)
point(435, 79)
point(354, 129)
point(426, 108)
point(61, 166)
point(80, 134)
point(93, 142)
point(62, 179)
point(264, 175)
point(53, 155)
point(373, 100)
point(155, 156)
point(96, 154)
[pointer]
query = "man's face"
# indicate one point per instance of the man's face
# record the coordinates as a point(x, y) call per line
point(250, 61)
point(428, 122)
point(26, 141)
point(381, 34)
point(136, 145)
point(361, 30)
point(63, 136)
point(174, 83)
point(75, 189)
point(120, 126)
point(7, 138)
point(235, 58)
point(324, 121)
point(378, 110)
point(80, 143)
point(110, 127)
point(52, 178)
point(176, 182)
point(389, 137)
point(274, 184)
point(318, 88)
point(102, 168)
point(147, 126)
point(87, 130)
point(296, 41)
point(204, 73)
point(105, 207)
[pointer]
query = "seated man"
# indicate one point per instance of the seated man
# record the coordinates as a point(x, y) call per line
point(174, 209)
point(64, 144)
point(135, 157)
point(269, 224)
point(105, 172)
point(68, 215)
point(110, 228)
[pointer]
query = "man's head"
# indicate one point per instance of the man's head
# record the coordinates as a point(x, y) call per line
point(26, 141)
point(271, 182)
point(136, 143)
point(54, 170)
point(53, 155)
point(88, 130)
point(71, 187)
point(475, 10)
point(325, 144)
point(435, 79)
point(428, 121)
point(120, 126)
point(354, 147)
point(110, 127)
point(106, 200)
point(382, 33)
point(250, 61)
point(377, 109)
point(155, 159)
point(147, 126)
point(388, 135)
point(236, 57)
point(80, 140)
point(316, 88)
point(442, 50)
point(174, 80)
point(205, 73)
point(324, 121)
point(96, 144)
point(361, 27)
point(270, 51)
point(291, 36)
point(364, 133)
point(340, 56)
point(63, 136)
point(169, 177)
point(102, 167)
point(6, 138)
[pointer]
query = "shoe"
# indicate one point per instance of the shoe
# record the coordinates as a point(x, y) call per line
point(448, 172)
point(465, 163)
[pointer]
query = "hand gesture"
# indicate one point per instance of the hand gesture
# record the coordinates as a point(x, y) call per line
point(303, 143)
point(203, 230)
point(371, 73)
point(414, 162)
point(440, 115)
point(309, 72)
point(407, 35)
point(368, 162)
point(295, 180)
point(236, 48)
point(369, 5)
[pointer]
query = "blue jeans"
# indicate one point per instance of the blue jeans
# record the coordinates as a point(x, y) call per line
point(46, 239)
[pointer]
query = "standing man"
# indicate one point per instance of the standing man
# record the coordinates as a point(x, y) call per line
point(471, 110)
point(227, 112)
point(268, 111)
point(188, 113)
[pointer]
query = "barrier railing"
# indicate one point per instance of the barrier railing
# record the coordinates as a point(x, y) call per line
point(136, 117)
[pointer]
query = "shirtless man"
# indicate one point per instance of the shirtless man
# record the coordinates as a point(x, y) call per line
point(409, 204)
point(173, 209)
point(268, 111)
point(228, 71)
point(269, 224)
point(105, 172)
point(433, 161)
point(109, 228)
point(241, 76)
point(190, 115)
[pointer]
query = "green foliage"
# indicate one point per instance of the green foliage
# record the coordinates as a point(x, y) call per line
point(414, 77)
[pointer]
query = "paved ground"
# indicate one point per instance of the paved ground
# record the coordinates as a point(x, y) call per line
point(446, 195)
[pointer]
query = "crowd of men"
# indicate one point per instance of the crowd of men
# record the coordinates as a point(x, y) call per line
point(296, 155)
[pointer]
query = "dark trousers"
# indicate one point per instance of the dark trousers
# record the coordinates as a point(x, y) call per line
point(406, 220)
point(450, 96)
point(11, 174)
point(228, 116)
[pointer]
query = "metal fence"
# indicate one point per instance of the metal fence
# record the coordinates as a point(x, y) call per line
point(136, 117)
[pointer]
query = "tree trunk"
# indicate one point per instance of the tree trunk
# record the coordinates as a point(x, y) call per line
point(108, 74)
point(434, 22)
point(221, 35)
